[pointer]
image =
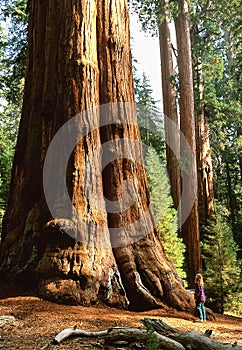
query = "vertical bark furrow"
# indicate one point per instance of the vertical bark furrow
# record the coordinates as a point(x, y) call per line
point(68, 251)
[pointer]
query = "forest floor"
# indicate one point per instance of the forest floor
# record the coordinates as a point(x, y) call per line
point(28, 322)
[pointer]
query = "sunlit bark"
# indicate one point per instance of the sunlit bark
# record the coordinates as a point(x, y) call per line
point(169, 105)
point(79, 58)
point(190, 228)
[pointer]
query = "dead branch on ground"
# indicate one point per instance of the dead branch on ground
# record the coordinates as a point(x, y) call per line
point(157, 331)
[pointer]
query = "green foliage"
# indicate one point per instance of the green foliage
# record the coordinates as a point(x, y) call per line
point(150, 118)
point(152, 342)
point(234, 304)
point(13, 59)
point(13, 39)
point(6, 158)
point(217, 49)
point(148, 13)
point(222, 266)
point(152, 134)
point(151, 13)
point(165, 214)
point(9, 121)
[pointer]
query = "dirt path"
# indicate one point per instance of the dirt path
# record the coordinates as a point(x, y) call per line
point(32, 323)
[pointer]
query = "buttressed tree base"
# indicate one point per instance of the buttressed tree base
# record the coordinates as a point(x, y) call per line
point(79, 59)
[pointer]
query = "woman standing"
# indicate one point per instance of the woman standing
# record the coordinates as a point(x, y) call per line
point(200, 297)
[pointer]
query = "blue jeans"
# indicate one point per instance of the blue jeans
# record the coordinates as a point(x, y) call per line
point(201, 310)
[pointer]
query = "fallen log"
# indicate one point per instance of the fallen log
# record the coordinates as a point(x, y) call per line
point(126, 337)
point(123, 337)
point(68, 332)
point(157, 332)
point(190, 340)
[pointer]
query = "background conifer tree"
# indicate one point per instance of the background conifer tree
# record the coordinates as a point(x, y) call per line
point(222, 266)
point(13, 41)
point(165, 213)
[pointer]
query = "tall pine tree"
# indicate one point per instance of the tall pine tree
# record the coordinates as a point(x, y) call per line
point(222, 266)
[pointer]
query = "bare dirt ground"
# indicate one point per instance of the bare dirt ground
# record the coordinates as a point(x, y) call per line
point(32, 323)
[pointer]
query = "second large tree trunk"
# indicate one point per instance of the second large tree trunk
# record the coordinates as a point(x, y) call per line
point(190, 228)
point(204, 158)
point(170, 107)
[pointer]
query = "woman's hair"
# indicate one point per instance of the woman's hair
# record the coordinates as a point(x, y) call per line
point(199, 279)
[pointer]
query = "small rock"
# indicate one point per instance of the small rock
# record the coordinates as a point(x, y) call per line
point(6, 320)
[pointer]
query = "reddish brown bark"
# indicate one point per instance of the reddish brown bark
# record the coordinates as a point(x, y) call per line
point(86, 252)
point(205, 169)
point(169, 106)
point(147, 275)
point(190, 228)
point(204, 159)
point(62, 80)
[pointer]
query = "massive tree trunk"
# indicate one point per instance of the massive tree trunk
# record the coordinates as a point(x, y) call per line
point(96, 238)
point(190, 228)
point(62, 80)
point(169, 106)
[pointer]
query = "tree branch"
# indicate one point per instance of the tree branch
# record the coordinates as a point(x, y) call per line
point(156, 332)
point(190, 340)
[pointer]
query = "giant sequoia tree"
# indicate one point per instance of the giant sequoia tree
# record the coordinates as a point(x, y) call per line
point(183, 178)
point(100, 243)
point(170, 103)
point(190, 228)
